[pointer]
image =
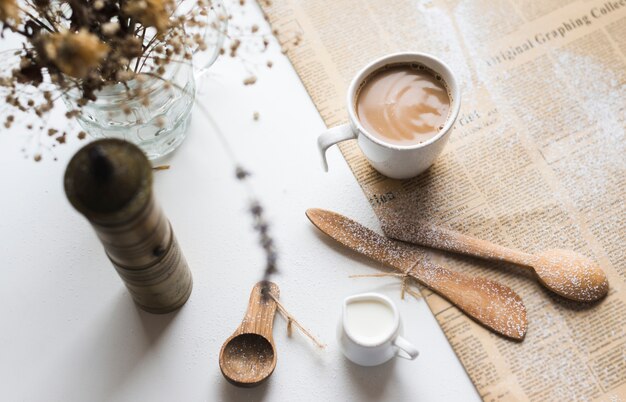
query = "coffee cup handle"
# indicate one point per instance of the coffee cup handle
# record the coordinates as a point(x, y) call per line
point(404, 349)
point(333, 136)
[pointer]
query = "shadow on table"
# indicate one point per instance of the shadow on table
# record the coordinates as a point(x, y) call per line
point(113, 345)
point(231, 393)
point(370, 382)
point(155, 325)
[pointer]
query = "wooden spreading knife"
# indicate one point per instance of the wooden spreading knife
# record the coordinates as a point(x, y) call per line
point(491, 304)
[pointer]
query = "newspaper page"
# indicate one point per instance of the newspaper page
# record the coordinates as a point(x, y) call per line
point(537, 160)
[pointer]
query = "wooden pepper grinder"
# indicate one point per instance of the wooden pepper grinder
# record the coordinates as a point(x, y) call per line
point(110, 182)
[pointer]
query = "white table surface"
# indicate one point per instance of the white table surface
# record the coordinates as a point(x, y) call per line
point(70, 331)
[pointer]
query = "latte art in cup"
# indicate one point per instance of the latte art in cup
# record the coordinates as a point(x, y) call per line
point(401, 111)
point(403, 104)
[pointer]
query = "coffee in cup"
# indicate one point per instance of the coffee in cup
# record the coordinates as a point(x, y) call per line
point(403, 104)
point(401, 110)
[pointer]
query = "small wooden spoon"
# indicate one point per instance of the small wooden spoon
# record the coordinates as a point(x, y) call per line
point(569, 274)
point(248, 357)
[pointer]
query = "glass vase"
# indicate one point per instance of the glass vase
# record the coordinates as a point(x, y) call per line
point(156, 121)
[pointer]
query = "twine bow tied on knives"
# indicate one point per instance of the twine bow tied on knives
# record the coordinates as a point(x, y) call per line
point(406, 278)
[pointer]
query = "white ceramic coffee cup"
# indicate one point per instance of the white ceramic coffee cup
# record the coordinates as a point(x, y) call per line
point(395, 161)
point(366, 353)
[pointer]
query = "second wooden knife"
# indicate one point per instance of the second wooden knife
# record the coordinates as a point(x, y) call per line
point(493, 305)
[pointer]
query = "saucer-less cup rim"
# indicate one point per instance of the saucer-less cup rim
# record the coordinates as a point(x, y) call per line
point(354, 128)
point(399, 58)
point(371, 296)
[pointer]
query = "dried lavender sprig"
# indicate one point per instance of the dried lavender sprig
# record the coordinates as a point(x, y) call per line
point(260, 223)
point(261, 226)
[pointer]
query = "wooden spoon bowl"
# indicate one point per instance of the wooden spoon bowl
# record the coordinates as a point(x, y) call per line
point(571, 275)
point(247, 353)
point(248, 357)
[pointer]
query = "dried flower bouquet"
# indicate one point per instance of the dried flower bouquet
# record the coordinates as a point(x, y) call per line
point(83, 46)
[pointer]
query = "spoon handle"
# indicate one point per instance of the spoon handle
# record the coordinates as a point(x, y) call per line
point(449, 240)
point(259, 318)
